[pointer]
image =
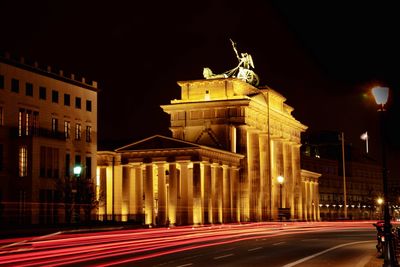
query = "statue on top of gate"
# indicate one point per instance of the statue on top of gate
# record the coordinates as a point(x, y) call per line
point(241, 71)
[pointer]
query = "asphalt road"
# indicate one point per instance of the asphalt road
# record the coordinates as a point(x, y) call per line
point(256, 244)
point(349, 247)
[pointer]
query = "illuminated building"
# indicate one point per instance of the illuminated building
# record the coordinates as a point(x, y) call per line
point(48, 124)
point(230, 141)
point(321, 152)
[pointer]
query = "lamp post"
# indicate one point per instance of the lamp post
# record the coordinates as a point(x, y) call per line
point(280, 180)
point(75, 194)
point(381, 95)
point(380, 202)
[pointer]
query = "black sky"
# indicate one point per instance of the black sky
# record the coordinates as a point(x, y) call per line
point(322, 56)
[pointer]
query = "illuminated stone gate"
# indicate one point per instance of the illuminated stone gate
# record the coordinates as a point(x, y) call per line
point(254, 139)
point(162, 180)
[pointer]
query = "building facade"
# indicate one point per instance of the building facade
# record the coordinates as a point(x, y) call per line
point(254, 139)
point(322, 153)
point(48, 125)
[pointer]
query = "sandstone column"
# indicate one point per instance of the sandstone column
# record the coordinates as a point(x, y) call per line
point(161, 194)
point(226, 209)
point(244, 195)
point(197, 199)
point(219, 183)
point(235, 188)
point(131, 192)
point(214, 192)
point(207, 202)
point(148, 195)
point(186, 194)
point(253, 162)
point(297, 180)
point(173, 194)
point(265, 179)
point(117, 191)
point(288, 174)
point(138, 192)
point(304, 199)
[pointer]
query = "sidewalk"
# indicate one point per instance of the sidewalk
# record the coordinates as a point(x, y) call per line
point(374, 262)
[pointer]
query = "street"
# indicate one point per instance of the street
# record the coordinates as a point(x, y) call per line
point(256, 244)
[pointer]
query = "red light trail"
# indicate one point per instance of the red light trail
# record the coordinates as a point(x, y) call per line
point(126, 246)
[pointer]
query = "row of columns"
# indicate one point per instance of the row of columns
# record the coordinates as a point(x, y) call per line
point(267, 158)
point(186, 192)
point(182, 192)
point(311, 199)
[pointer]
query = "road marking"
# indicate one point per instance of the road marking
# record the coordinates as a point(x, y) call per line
point(223, 256)
point(323, 252)
point(184, 265)
point(252, 249)
point(45, 236)
point(280, 243)
point(14, 244)
point(227, 249)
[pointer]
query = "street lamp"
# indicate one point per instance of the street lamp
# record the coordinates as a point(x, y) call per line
point(380, 202)
point(280, 181)
point(77, 170)
point(381, 95)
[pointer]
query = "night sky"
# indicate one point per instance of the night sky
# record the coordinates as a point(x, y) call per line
point(322, 56)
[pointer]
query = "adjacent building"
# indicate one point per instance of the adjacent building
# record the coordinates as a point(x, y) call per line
point(322, 153)
point(48, 126)
point(230, 143)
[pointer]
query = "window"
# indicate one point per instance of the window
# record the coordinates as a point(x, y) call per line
point(77, 160)
point(1, 82)
point(78, 131)
point(23, 161)
point(54, 125)
point(88, 105)
point(67, 165)
point(35, 122)
point(20, 122)
point(14, 85)
point(42, 171)
point(78, 102)
point(67, 100)
point(42, 92)
point(88, 133)
point(56, 170)
point(49, 164)
point(28, 122)
point(67, 129)
point(54, 96)
point(1, 116)
point(88, 167)
point(29, 89)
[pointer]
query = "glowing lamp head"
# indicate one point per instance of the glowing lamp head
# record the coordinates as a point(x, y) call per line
point(77, 170)
point(381, 95)
point(280, 179)
point(379, 201)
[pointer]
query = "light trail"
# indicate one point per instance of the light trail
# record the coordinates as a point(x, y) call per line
point(126, 246)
